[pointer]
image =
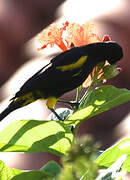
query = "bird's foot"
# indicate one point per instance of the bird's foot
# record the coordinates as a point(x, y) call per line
point(72, 104)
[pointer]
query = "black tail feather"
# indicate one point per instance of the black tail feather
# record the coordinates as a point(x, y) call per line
point(5, 113)
point(12, 106)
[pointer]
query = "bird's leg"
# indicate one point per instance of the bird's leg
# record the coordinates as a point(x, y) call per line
point(51, 101)
point(72, 104)
point(55, 113)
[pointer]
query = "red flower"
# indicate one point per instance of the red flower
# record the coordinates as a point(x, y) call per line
point(77, 35)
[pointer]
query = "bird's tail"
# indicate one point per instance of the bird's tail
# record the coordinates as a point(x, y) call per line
point(12, 106)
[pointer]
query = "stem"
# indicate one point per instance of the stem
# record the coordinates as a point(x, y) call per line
point(79, 89)
point(87, 93)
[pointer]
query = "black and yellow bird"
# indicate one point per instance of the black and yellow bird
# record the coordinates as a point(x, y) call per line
point(64, 73)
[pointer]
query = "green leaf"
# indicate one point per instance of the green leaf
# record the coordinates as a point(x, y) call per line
point(36, 136)
point(114, 171)
point(5, 173)
point(98, 101)
point(15, 172)
point(32, 175)
point(112, 154)
point(110, 71)
point(51, 168)
point(47, 172)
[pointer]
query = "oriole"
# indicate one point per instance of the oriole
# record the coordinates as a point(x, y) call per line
point(64, 73)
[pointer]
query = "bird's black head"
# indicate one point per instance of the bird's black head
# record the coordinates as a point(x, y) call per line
point(108, 50)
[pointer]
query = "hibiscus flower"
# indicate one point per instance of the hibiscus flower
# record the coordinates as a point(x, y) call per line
point(77, 35)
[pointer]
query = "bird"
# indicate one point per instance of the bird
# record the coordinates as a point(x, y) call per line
point(62, 74)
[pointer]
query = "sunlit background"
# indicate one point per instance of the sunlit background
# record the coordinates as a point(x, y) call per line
point(110, 16)
point(85, 10)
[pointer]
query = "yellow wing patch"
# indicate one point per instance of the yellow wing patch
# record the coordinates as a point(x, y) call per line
point(75, 65)
point(28, 98)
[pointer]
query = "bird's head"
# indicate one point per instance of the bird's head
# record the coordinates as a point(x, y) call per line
point(108, 50)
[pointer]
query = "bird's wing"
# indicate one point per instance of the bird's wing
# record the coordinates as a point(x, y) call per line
point(52, 74)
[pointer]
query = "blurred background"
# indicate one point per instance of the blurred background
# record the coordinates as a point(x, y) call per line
point(20, 22)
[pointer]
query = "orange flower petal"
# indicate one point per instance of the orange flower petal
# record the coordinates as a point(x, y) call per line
point(81, 35)
point(53, 35)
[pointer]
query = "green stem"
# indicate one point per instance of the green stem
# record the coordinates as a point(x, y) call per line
point(79, 89)
point(87, 93)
